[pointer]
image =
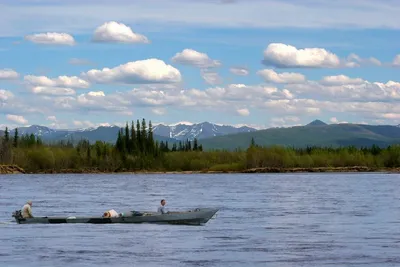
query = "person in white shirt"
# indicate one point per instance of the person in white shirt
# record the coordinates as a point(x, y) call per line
point(161, 209)
point(27, 210)
point(110, 214)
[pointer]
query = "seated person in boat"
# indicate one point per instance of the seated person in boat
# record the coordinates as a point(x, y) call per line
point(161, 208)
point(110, 214)
point(27, 210)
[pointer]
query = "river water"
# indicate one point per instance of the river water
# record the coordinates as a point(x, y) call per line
point(264, 220)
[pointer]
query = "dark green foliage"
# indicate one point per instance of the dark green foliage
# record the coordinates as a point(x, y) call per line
point(136, 149)
point(15, 143)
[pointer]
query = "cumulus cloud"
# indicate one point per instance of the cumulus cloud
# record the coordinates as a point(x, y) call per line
point(8, 74)
point(194, 58)
point(211, 77)
point(270, 75)
point(158, 111)
point(5, 95)
point(51, 38)
point(342, 88)
point(354, 60)
point(52, 90)
point(114, 32)
point(287, 56)
point(240, 71)
point(16, 118)
point(60, 81)
point(243, 112)
point(138, 72)
point(341, 80)
point(396, 61)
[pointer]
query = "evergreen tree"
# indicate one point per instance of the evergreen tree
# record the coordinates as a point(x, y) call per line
point(174, 148)
point(166, 146)
point(138, 137)
point(119, 144)
point(7, 135)
point(195, 145)
point(200, 147)
point(150, 139)
point(252, 143)
point(180, 147)
point(143, 135)
point(15, 143)
point(133, 139)
point(127, 140)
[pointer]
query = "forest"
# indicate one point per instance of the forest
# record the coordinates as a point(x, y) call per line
point(136, 151)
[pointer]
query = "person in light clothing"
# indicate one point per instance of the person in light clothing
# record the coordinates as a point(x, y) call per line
point(161, 209)
point(110, 214)
point(27, 210)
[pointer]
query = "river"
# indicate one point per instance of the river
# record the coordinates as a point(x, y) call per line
point(336, 219)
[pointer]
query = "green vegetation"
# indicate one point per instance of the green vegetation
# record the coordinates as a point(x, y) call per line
point(136, 150)
point(315, 134)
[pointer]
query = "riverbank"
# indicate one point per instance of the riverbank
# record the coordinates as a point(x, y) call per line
point(13, 169)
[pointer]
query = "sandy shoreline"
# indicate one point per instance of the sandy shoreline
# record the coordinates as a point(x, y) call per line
point(13, 169)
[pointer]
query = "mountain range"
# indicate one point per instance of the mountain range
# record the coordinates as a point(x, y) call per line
point(214, 136)
point(161, 132)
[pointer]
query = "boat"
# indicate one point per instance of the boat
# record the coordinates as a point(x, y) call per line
point(198, 216)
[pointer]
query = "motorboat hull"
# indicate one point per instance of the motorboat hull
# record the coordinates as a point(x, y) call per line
point(191, 217)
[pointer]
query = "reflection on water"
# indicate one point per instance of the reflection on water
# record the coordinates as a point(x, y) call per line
point(265, 220)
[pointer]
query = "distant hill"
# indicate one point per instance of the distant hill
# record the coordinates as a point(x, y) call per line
point(334, 135)
point(317, 123)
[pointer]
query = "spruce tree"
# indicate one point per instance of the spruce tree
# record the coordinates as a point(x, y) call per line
point(15, 142)
point(195, 145)
point(133, 139)
point(143, 136)
point(7, 135)
point(138, 136)
point(150, 139)
point(127, 140)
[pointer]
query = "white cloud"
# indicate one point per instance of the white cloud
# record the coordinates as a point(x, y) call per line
point(336, 121)
point(396, 61)
point(5, 95)
point(342, 88)
point(118, 33)
point(287, 56)
point(243, 112)
point(98, 93)
point(137, 72)
point(341, 80)
point(8, 74)
point(194, 58)
point(52, 90)
point(270, 75)
point(354, 60)
point(60, 81)
point(17, 119)
point(285, 121)
point(52, 118)
point(211, 77)
point(159, 111)
point(240, 71)
point(51, 38)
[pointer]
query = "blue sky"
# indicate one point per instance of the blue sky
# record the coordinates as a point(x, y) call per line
point(264, 63)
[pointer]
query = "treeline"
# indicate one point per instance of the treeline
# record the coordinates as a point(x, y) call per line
point(136, 150)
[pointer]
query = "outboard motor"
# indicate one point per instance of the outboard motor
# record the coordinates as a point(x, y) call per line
point(17, 214)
